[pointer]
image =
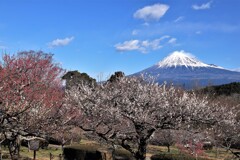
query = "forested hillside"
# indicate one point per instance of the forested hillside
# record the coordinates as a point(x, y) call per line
point(226, 89)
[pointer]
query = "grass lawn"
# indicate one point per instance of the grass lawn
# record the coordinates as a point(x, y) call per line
point(44, 154)
point(214, 154)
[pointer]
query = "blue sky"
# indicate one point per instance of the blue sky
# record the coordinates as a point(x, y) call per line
point(103, 36)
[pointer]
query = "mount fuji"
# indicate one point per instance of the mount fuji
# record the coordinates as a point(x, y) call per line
point(185, 70)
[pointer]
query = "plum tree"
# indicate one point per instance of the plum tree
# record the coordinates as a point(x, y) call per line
point(30, 95)
point(128, 111)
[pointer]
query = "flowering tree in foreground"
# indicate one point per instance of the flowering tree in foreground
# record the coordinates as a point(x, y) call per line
point(30, 95)
point(127, 111)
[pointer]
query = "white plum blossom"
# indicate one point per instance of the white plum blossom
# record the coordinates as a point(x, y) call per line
point(129, 110)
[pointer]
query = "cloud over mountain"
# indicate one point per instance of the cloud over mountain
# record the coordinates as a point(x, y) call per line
point(144, 46)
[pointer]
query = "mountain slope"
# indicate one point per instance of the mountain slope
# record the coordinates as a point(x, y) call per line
point(185, 70)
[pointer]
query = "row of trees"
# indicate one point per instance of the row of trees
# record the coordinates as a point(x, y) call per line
point(123, 111)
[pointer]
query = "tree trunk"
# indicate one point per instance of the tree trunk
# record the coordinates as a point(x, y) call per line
point(62, 146)
point(144, 132)
point(14, 148)
point(142, 150)
point(34, 155)
point(168, 147)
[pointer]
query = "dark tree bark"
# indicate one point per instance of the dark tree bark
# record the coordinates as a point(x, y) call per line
point(14, 148)
point(142, 150)
point(168, 147)
point(143, 135)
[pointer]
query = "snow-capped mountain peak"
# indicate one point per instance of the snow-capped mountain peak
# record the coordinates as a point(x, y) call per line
point(184, 70)
point(182, 58)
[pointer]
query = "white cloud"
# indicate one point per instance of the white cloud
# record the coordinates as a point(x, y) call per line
point(142, 46)
point(202, 6)
point(164, 37)
point(60, 42)
point(154, 12)
point(128, 46)
point(172, 41)
point(179, 19)
point(151, 45)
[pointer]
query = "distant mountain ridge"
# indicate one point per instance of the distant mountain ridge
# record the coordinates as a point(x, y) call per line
point(183, 69)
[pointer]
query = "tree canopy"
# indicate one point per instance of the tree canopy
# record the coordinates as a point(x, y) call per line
point(128, 111)
point(74, 78)
point(31, 94)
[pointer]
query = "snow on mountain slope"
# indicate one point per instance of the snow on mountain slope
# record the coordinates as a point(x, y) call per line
point(181, 58)
point(236, 69)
